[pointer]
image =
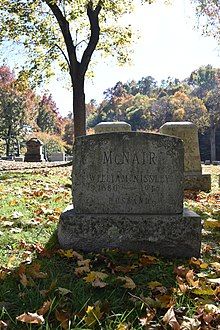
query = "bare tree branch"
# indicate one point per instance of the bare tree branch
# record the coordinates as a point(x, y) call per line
point(93, 15)
point(66, 58)
point(64, 26)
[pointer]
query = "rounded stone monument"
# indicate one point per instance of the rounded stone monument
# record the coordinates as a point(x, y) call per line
point(188, 133)
point(112, 126)
point(34, 151)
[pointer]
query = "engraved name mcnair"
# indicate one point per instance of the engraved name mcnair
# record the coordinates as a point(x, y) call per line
point(142, 158)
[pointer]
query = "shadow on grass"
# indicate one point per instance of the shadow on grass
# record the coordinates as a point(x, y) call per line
point(51, 275)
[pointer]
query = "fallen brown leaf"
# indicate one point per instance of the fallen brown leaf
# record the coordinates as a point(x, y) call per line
point(33, 318)
point(45, 308)
point(190, 279)
point(63, 318)
point(148, 260)
point(170, 318)
point(129, 283)
point(182, 286)
point(3, 325)
point(190, 324)
point(149, 317)
point(98, 284)
point(23, 280)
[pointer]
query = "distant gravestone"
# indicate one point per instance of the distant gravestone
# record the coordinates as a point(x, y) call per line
point(215, 162)
point(128, 194)
point(19, 158)
point(57, 157)
point(69, 158)
point(188, 132)
point(108, 127)
point(34, 151)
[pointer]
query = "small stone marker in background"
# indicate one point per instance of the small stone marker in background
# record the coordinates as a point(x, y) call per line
point(216, 162)
point(128, 194)
point(114, 126)
point(19, 158)
point(57, 157)
point(34, 151)
point(69, 158)
point(188, 132)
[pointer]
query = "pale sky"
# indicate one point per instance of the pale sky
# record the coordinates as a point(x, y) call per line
point(168, 46)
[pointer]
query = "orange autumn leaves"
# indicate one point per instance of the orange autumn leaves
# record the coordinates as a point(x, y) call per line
point(97, 278)
point(196, 279)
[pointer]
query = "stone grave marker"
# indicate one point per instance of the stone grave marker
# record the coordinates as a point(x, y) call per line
point(188, 132)
point(215, 162)
point(57, 157)
point(19, 158)
point(34, 151)
point(128, 194)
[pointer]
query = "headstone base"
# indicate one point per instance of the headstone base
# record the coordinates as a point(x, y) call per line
point(170, 236)
point(197, 182)
point(34, 158)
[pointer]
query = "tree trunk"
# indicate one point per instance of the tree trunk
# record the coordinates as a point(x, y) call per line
point(79, 109)
point(8, 141)
point(8, 146)
point(18, 148)
point(212, 142)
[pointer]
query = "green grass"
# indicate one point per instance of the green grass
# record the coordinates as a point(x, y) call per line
point(33, 269)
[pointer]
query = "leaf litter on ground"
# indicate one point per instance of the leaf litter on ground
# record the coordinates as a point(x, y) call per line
point(67, 288)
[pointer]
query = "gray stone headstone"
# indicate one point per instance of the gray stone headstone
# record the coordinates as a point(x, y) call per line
point(128, 194)
point(128, 173)
point(188, 133)
point(57, 157)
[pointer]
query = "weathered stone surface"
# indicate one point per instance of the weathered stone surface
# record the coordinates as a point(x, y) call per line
point(188, 132)
point(34, 151)
point(167, 235)
point(197, 182)
point(57, 157)
point(115, 126)
point(128, 173)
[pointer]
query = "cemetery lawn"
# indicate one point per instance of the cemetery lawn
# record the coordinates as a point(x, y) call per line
point(44, 287)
